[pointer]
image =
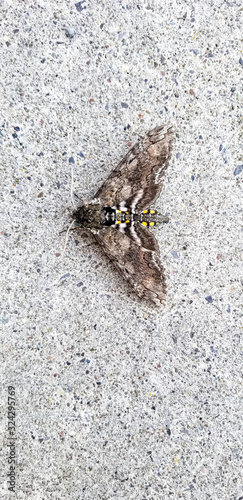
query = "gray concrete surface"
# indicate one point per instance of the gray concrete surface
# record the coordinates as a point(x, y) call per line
point(115, 399)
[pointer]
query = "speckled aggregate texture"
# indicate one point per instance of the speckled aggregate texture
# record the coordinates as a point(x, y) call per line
point(116, 399)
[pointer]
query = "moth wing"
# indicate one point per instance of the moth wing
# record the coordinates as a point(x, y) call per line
point(135, 254)
point(138, 178)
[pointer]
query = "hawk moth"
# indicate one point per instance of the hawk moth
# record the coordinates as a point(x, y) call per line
point(118, 214)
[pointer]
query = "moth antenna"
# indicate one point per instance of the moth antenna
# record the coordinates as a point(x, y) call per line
point(73, 204)
point(80, 199)
point(66, 238)
point(72, 191)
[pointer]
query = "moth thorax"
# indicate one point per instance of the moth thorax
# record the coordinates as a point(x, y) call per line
point(109, 216)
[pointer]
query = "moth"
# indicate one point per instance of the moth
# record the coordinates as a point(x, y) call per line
point(119, 215)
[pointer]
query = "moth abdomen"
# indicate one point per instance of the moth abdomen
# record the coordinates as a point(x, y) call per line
point(151, 217)
point(118, 217)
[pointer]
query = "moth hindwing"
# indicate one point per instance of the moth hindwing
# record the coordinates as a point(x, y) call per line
point(119, 213)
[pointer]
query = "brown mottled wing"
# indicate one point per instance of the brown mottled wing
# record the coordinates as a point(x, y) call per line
point(138, 178)
point(135, 254)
